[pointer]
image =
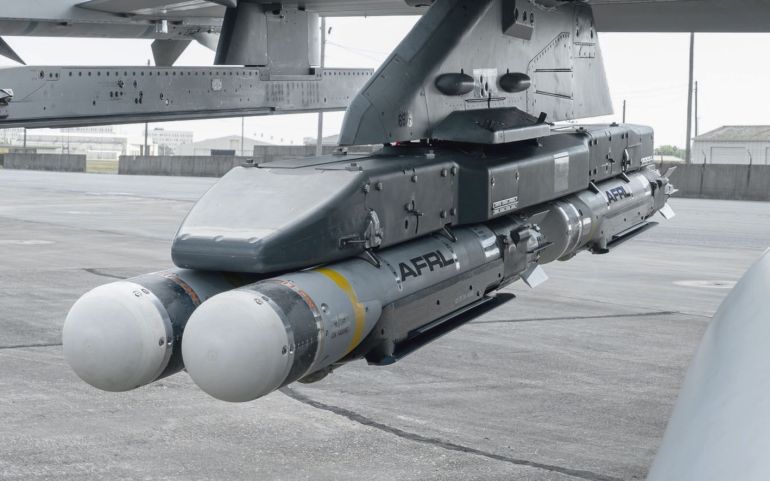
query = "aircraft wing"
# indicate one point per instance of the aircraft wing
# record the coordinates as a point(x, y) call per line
point(611, 15)
point(157, 8)
point(682, 15)
point(193, 8)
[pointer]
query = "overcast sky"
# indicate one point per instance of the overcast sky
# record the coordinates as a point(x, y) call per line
point(648, 70)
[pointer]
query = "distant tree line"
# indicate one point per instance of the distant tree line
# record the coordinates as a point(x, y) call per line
point(671, 150)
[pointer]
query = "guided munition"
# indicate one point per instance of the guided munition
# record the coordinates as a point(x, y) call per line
point(360, 257)
point(127, 334)
point(374, 256)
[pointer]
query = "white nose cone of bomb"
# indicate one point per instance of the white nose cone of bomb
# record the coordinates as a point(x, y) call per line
point(236, 347)
point(118, 337)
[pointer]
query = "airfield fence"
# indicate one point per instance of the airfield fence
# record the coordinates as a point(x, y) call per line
point(51, 162)
point(725, 182)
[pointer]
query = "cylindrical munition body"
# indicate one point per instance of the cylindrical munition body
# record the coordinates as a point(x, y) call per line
point(593, 218)
point(127, 334)
point(246, 343)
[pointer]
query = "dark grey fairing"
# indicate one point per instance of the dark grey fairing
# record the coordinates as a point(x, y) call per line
point(293, 214)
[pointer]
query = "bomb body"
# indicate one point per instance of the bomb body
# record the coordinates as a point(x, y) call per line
point(127, 334)
point(246, 343)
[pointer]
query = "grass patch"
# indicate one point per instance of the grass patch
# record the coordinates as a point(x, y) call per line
point(102, 166)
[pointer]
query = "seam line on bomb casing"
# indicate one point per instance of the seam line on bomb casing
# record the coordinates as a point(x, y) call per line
point(301, 321)
point(194, 297)
point(358, 308)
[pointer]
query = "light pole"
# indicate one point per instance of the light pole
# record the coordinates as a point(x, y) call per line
point(688, 149)
point(320, 139)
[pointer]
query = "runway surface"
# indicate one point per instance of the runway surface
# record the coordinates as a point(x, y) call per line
point(572, 381)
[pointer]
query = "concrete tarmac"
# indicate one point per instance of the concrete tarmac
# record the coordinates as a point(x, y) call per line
point(572, 381)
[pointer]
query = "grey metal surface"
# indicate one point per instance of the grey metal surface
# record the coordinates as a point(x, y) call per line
point(286, 40)
point(401, 102)
point(261, 229)
point(594, 218)
point(245, 343)
point(720, 425)
point(560, 55)
point(682, 16)
point(67, 96)
point(129, 19)
point(497, 126)
point(64, 18)
point(7, 52)
point(328, 7)
point(167, 51)
point(580, 374)
point(343, 204)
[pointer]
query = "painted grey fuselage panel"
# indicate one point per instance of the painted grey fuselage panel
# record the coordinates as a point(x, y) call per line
point(130, 19)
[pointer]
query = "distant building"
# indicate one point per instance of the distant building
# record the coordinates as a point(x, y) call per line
point(10, 136)
point(230, 144)
point(96, 143)
point(328, 140)
point(98, 129)
point(733, 144)
point(169, 142)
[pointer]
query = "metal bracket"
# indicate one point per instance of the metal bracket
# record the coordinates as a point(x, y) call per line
point(72, 96)
point(6, 95)
point(447, 232)
point(371, 258)
point(371, 237)
point(535, 276)
point(411, 208)
point(491, 126)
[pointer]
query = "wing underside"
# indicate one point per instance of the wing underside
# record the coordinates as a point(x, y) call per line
point(611, 15)
point(682, 15)
point(203, 8)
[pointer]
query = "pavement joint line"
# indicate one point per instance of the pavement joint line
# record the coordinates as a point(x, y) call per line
point(361, 419)
point(608, 302)
point(581, 318)
point(26, 346)
point(81, 229)
point(107, 194)
point(100, 272)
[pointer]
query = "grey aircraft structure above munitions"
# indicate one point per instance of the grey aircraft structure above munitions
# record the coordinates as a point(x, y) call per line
point(289, 269)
